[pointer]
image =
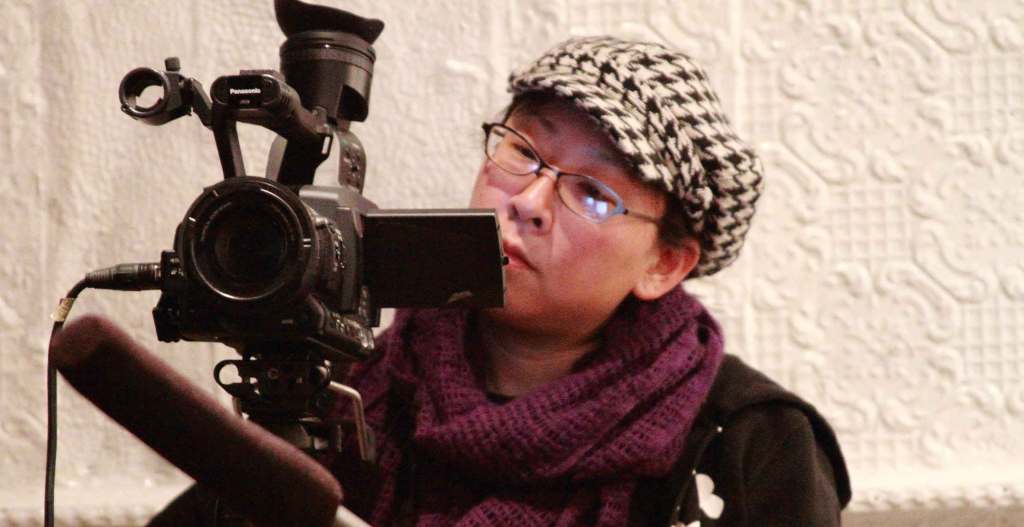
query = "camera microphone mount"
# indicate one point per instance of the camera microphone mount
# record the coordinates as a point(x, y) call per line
point(260, 97)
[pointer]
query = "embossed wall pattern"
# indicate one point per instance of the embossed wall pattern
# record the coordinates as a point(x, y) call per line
point(883, 279)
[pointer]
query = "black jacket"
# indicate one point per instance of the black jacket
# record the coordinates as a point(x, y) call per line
point(772, 458)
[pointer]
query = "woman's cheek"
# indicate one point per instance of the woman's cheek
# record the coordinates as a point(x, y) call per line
point(578, 250)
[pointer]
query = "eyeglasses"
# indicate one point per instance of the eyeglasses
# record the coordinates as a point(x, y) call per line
point(583, 195)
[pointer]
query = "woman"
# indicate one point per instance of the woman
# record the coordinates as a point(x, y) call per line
point(600, 394)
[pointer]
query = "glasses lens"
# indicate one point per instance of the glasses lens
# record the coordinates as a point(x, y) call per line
point(510, 151)
point(588, 197)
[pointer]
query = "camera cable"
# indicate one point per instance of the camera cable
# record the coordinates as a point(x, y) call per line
point(124, 277)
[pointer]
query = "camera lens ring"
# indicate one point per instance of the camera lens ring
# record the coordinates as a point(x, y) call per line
point(269, 264)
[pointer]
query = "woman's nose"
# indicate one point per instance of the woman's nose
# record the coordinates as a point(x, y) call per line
point(534, 204)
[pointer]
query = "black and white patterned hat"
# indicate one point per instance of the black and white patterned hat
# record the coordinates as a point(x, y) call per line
point(661, 112)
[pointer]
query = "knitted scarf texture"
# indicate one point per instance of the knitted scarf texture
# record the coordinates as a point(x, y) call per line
point(569, 453)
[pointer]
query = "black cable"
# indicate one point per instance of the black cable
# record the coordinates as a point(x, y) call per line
point(124, 277)
point(51, 403)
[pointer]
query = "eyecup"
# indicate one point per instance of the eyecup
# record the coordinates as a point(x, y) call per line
point(295, 17)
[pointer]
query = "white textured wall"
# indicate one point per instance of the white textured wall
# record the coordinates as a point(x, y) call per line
point(884, 280)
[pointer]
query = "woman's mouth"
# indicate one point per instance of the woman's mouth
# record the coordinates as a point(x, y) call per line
point(516, 256)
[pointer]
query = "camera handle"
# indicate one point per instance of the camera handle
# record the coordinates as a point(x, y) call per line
point(260, 97)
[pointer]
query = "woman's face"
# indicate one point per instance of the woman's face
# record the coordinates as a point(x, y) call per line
point(564, 271)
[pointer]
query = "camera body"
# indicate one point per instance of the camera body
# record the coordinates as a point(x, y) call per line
point(255, 261)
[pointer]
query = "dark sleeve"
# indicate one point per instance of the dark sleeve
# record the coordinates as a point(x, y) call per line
point(771, 471)
point(192, 508)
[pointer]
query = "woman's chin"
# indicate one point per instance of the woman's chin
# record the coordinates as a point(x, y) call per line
point(516, 316)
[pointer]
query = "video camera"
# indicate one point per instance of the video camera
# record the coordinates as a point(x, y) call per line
point(292, 274)
point(277, 259)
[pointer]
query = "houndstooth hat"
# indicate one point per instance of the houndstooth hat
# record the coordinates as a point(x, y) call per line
point(663, 115)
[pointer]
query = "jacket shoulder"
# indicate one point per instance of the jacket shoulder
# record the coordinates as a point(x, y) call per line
point(754, 439)
point(755, 407)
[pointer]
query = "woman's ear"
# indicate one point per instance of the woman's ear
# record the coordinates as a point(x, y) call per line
point(671, 266)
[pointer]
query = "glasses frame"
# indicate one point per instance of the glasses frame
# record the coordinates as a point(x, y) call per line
point(620, 208)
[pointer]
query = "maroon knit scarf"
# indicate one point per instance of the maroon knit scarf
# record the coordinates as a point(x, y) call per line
point(569, 453)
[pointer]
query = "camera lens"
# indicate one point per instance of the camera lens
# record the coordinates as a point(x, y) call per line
point(245, 247)
point(251, 243)
point(249, 246)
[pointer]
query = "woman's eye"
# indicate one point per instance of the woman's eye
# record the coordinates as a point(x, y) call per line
point(588, 197)
point(593, 192)
point(524, 151)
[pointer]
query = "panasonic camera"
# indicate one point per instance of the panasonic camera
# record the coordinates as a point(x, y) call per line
point(277, 260)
